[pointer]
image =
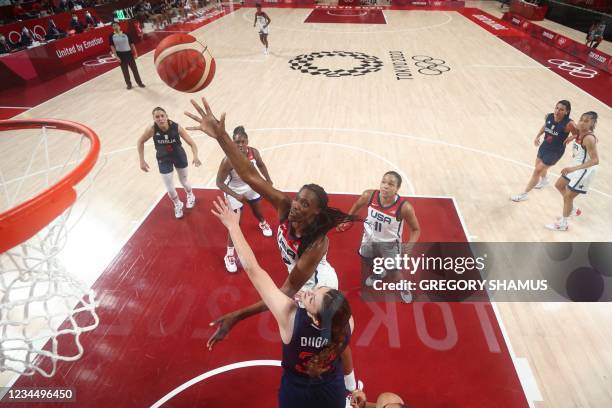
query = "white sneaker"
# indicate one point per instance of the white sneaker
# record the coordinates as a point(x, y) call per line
point(406, 296)
point(265, 229)
point(191, 200)
point(230, 263)
point(178, 210)
point(542, 183)
point(519, 197)
point(557, 226)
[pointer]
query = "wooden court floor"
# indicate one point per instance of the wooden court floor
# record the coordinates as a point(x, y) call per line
point(466, 133)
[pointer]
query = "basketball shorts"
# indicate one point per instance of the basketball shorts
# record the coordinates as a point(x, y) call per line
point(246, 191)
point(264, 30)
point(328, 394)
point(325, 275)
point(369, 249)
point(549, 156)
point(580, 180)
point(167, 162)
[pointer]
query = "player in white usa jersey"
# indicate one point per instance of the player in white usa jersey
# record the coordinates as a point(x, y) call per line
point(575, 180)
point(304, 221)
point(262, 20)
point(383, 227)
point(239, 192)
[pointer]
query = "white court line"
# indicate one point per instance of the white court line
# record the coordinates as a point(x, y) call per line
point(370, 31)
point(539, 66)
point(350, 147)
point(114, 69)
point(537, 62)
point(521, 365)
point(211, 373)
point(366, 131)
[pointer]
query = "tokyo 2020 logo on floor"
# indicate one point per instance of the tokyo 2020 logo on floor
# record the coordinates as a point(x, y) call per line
point(313, 63)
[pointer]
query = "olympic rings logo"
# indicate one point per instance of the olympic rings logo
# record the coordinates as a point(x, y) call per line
point(35, 34)
point(575, 69)
point(430, 66)
point(101, 60)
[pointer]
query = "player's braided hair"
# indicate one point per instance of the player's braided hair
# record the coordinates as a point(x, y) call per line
point(334, 320)
point(327, 219)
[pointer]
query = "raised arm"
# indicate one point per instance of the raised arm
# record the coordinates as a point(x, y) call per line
point(215, 128)
point(275, 300)
point(299, 275)
point(148, 133)
point(192, 144)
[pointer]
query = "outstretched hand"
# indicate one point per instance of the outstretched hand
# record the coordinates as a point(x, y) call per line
point(224, 325)
point(207, 122)
point(224, 213)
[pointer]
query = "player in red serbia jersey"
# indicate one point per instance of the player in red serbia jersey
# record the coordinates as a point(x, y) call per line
point(382, 229)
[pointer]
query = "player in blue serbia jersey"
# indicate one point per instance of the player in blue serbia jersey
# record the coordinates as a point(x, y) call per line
point(170, 155)
point(556, 129)
point(314, 329)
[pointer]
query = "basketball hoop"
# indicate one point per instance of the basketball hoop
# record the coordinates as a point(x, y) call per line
point(40, 302)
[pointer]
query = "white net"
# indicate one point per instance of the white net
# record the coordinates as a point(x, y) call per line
point(44, 310)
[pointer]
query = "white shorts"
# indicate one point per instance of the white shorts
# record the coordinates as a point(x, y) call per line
point(246, 191)
point(264, 30)
point(325, 275)
point(580, 180)
point(380, 249)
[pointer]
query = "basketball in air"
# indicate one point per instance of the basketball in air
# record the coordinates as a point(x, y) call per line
point(183, 63)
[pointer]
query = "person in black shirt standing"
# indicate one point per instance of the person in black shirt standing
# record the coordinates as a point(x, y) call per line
point(123, 48)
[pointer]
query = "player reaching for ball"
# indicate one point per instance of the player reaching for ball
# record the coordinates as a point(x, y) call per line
point(170, 154)
point(262, 20)
point(302, 232)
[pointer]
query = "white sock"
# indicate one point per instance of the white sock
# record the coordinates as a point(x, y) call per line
point(175, 199)
point(349, 382)
point(230, 251)
point(563, 221)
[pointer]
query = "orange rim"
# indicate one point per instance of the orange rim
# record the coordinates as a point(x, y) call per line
point(23, 221)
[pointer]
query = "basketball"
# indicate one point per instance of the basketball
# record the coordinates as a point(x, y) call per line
point(183, 63)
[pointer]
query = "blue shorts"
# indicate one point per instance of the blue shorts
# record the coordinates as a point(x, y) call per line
point(177, 158)
point(549, 156)
point(296, 394)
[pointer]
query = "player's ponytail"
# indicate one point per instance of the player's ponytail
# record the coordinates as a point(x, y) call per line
point(327, 219)
point(334, 320)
